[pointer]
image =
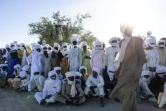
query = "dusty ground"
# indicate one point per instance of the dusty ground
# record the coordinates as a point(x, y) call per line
point(10, 100)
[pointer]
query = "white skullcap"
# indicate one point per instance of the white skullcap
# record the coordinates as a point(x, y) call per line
point(145, 73)
point(83, 67)
point(149, 41)
point(26, 68)
point(96, 70)
point(23, 74)
point(112, 39)
point(57, 68)
point(51, 73)
point(37, 46)
point(124, 26)
point(150, 33)
point(84, 44)
point(56, 45)
point(69, 74)
point(111, 68)
point(17, 66)
point(161, 69)
point(78, 74)
point(7, 46)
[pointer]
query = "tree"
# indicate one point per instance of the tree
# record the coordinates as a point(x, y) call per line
point(61, 29)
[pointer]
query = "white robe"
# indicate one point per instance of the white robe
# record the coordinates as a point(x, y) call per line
point(163, 98)
point(99, 82)
point(75, 57)
point(50, 88)
point(110, 57)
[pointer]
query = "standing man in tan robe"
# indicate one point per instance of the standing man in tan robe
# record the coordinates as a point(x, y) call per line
point(131, 58)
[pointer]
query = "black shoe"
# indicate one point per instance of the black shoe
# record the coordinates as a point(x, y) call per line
point(42, 102)
point(101, 102)
point(47, 104)
point(117, 100)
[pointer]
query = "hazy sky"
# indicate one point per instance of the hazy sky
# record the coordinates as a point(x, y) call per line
point(15, 15)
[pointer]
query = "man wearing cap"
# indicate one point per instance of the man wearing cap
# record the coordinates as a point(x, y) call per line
point(72, 91)
point(131, 57)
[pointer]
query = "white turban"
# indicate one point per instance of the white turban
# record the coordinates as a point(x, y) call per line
point(161, 41)
point(150, 33)
point(37, 46)
point(112, 39)
point(74, 38)
point(23, 74)
point(145, 73)
point(17, 66)
point(64, 44)
point(83, 44)
point(51, 73)
point(45, 46)
point(78, 74)
point(7, 46)
point(26, 68)
point(149, 41)
point(97, 42)
point(83, 67)
point(56, 45)
point(96, 70)
point(57, 68)
point(161, 69)
point(69, 74)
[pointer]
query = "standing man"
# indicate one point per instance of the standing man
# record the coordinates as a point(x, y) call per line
point(75, 55)
point(131, 58)
point(162, 52)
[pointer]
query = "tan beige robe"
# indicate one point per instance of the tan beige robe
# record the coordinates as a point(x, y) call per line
point(131, 67)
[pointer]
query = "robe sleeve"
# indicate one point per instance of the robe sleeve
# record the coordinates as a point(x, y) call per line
point(80, 58)
point(106, 57)
point(88, 82)
point(101, 82)
point(81, 92)
point(45, 90)
point(103, 59)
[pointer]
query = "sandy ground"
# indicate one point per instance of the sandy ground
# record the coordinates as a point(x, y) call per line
point(10, 100)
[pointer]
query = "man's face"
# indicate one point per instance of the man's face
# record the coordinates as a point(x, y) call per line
point(95, 74)
point(53, 77)
point(128, 32)
point(44, 48)
point(161, 43)
point(58, 71)
point(8, 49)
point(45, 53)
point(74, 42)
point(4, 68)
point(38, 50)
point(71, 78)
point(56, 48)
point(84, 48)
point(82, 71)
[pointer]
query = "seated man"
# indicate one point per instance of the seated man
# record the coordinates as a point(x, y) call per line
point(95, 84)
point(36, 82)
point(3, 73)
point(162, 95)
point(144, 82)
point(51, 91)
point(84, 77)
point(72, 91)
point(156, 84)
point(58, 73)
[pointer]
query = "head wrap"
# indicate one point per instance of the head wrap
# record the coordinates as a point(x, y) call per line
point(161, 41)
point(26, 68)
point(57, 68)
point(51, 73)
point(83, 67)
point(74, 38)
point(78, 74)
point(112, 39)
point(97, 42)
point(150, 33)
point(83, 44)
point(56, 45)
point(96, 70)
point(161, 69)
point(7, 46)
point(17, 66)
point(149, 42)
point(45, 46)
point(14, 46)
